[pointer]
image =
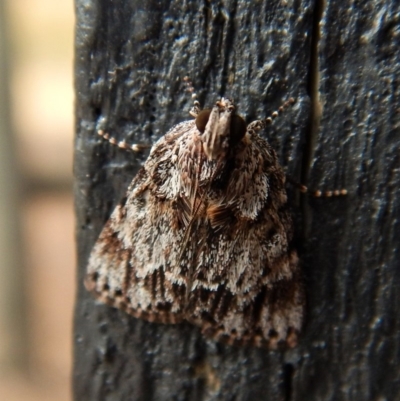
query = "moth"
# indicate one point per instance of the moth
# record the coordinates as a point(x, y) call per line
point(204, 234)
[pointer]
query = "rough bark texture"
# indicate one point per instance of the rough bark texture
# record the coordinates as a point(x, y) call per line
point(131, 57)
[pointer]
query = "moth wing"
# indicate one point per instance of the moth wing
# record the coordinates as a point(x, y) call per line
point(247, 287)
point(133, 263)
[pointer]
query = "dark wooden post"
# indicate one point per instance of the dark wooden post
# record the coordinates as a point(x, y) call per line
point(340, 60)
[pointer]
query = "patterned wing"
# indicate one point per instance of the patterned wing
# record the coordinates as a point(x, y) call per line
point(132, 265)
point(204, 235)
point(247, 287)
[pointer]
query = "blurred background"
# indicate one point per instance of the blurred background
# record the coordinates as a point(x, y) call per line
point(37, 255)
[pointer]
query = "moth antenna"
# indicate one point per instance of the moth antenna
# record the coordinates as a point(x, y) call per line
point(195, 110)
point(316, 194)
point(280, 110)
point(261, 124)
point(302, 188)
point(136, 147)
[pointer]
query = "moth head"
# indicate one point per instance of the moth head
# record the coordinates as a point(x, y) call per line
point(220, 128)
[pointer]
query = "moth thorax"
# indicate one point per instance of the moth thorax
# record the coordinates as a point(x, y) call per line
point(220, 129)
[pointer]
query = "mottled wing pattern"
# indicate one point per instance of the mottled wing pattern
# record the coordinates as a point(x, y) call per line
point(130, 265)
point(208, 244)
point(247, 287)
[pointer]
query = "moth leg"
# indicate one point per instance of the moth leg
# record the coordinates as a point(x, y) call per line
point(317, 194)
point(122, 144)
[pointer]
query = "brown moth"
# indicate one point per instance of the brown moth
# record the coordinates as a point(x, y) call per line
point(204, 235)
